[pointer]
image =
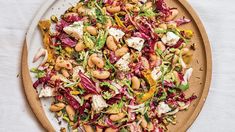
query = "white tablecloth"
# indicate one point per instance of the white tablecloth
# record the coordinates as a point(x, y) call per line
point(218, 113)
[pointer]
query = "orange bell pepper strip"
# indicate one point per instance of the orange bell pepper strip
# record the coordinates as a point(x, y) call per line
point(152, 90)
point(45, 31)
point(118, 21)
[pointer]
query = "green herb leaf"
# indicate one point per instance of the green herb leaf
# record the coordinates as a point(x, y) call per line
point(148, 13)
point(183, 87)
point(101, 39)
point(106, 95)
point(108, 65)
point(39, 73)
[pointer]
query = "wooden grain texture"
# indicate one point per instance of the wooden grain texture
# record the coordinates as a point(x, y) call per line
point(199, 83)
point(31, 93)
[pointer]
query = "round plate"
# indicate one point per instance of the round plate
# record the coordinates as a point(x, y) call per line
point(199, 82)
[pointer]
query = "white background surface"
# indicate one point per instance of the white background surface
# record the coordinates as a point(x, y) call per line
point(218, 113)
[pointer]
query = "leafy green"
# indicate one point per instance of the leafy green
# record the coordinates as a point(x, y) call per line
point(58, 49)
point(163, 96)
point(115, 108)
point(123, 130)
point(107, 84)
point(148, 13)
point(79, 56)
point(85, 61)
point(108, 65)
point(160, 30)
point(88, 40)
point(101, 39)
point(106, 95)
point(39, 73)
point(183, 87)
point(100, 15)
point(146, 117)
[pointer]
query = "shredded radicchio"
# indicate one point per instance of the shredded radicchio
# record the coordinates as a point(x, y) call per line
point(73, 102)
point(182, 21)
point(87, 83)
point(162, 7)
point(66, 40)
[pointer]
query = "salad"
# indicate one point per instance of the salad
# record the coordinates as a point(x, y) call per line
point(115, 65)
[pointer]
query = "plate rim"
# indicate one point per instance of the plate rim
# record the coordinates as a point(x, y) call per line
point(33, 99)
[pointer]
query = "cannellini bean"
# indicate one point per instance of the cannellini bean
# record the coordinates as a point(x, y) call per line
point(90, 62)
point(65, 73)
point(117, 117)
point(145, 63)
point(61, 63)
point(92, 30)
point(154, 60)
point(108, 23)
point(98, 25)
point(110, 42)
point(70, 111)
point(80, 46)
point(100, 74)
point(174, 13)
point(161, 46)
point(88, 96)
point(82, 10)
point(122, 51)
point(150, 126)
point(163, 26)
point(175, 59)
point(177, 79)
point(129, 6)
point(185, 51)
point(143, 123)
point(135, 1)
point(57, 107)
point(135, 82)
point(111, 130)
point(65, 64)
point(88, 128)
point(98, 61)
point(99, 129)
point(113, 9)
point(147, 5)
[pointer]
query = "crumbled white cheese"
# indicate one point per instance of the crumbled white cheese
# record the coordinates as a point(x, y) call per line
point(170, 39)
point(122, 63)
point(75, 30)
point(163, 108)
point(116, 33)
point(46, 92)
point(156, 73)
point(135, 42)
point(98, 103)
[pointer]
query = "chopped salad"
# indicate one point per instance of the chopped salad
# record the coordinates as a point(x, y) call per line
point(116, 65)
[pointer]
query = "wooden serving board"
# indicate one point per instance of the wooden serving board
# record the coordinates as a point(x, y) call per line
point(199, 82)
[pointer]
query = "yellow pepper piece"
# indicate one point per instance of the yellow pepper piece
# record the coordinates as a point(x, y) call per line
point(45, 30)
point(152, 90)
point(74, 92)
point(118, 21)
point(188, 34)
point(148, 77)
point(147, 95)
point(69, 50)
